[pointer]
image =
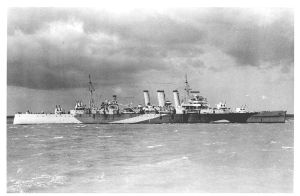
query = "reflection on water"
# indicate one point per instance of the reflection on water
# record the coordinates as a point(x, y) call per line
point(150, 158)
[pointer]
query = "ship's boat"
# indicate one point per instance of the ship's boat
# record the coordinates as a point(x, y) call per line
point(194, 108)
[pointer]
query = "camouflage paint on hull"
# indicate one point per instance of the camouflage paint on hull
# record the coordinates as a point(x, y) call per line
point(249, 117)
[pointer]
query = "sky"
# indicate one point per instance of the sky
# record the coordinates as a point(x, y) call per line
point(238, 55)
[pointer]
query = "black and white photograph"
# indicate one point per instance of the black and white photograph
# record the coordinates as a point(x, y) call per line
point(150, 99)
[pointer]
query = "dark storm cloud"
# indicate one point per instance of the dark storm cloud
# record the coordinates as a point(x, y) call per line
point(45, 65)
point(134, 26)
point(162, 30)
point(50, 48)
point(252, 39)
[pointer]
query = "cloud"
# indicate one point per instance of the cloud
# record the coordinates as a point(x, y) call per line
point(264, 97)
point(274, 44)
point(47, 64)
point(253, 38)
point(53, 48)
point(31, 20)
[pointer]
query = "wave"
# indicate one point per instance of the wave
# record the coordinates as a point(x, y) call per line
point(29, 136)
point(287, 147)
point(155, 146)
point(38, 182)
point(96, 178)
point(171, 161)
point(104, 136)
point(80, 126)
point(215, 143)
point(38, 154)
point(273, 142)
point(19, 170)
point(58, 137)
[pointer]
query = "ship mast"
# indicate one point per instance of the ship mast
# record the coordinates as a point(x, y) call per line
point(187, 89)
point(91, 90)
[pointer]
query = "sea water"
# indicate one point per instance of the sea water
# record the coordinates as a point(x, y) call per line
point(150, 158)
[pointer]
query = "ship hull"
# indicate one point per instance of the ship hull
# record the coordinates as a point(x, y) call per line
point(268, 117)
point(249, 117)
point(45, 119)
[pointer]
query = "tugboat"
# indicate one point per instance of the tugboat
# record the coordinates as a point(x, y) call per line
point(194, 108)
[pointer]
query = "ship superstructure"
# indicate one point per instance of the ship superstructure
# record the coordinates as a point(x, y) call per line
point(194, 108)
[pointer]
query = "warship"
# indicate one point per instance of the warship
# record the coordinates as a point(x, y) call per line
point(194, 108)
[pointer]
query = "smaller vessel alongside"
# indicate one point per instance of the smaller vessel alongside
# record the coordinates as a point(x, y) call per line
point(194, 108)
